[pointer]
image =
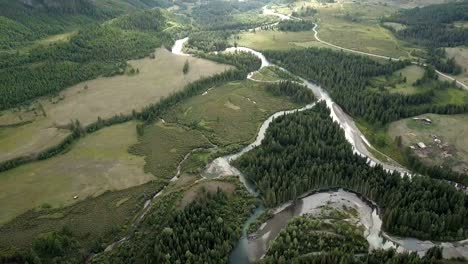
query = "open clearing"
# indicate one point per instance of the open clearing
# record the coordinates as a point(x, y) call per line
point(461, 58)
point(97, 163)
point(354, 25)
point(104, 97)
point(451, 130)
point(229, 114)
point(278, 40)
point(401, 81)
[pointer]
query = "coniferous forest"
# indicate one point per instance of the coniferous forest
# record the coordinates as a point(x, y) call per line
point(432, 25)
point(346, 77)
point(308, 151)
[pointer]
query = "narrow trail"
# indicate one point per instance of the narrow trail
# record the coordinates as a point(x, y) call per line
point(447, 77)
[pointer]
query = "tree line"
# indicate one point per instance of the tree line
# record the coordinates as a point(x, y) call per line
point(347, 77)
point(244, 62)
point(295, 25)
point(307, 150)
point(297, 93)
point(204, 231)
point(432, 25)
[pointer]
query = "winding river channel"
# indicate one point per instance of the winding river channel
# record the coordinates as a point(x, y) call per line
point(249, 250)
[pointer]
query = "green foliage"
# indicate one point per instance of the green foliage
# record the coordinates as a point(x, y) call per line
point(149, 20)
point(346, 77)
point(205, 231)
point(186, 67)
point(295, 25)
point(296, 92)
point(305, 235)
point(306, 151)
point(244, 61)
point(94, 51)
point(229, 15)
point(432, 25)
point(207, 41)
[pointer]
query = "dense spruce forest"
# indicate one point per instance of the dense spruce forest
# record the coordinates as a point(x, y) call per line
point(232, 15)
point(347, 77)
point(434, 256)
point(205, 231)
point(310, 240)
point(93, 51)
point(307, 235)
point(432, 25)
point(295, 92)
point(307, 151)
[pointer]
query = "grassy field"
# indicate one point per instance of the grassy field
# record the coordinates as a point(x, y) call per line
point(164, 146)
point(101, 219)
point(102, 97)
point(450, 129)
point(461, 58)
point(278, 40)
point(354, 25)
point(96, 163)
point(402, 82)
point(229, 114)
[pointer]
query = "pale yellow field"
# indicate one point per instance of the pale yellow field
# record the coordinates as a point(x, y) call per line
point(96, 163)
point(104, 97)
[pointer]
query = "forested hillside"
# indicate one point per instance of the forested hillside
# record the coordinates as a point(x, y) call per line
point(433, 25)
point(308, 151)
point(93, 51)
point(347, 77)
point(205, 231)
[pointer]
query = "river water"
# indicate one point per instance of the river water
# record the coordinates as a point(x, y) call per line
point(247, 251)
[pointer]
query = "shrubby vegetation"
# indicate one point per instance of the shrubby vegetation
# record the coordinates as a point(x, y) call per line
point(432, 25)
point(306, 151)
point(205, 231)
point(346, 77)
point(295, 25)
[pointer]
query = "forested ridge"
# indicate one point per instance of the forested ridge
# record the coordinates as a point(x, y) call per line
point(205, 231)
point(311, 239)
point(307, 235)
point(93, 51)
point(347, 77)
point(306, 151)
point(432, 25)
